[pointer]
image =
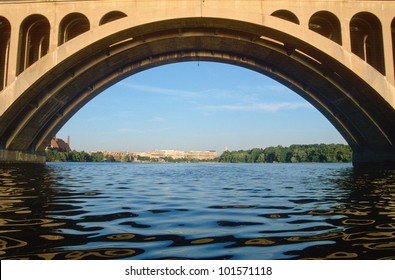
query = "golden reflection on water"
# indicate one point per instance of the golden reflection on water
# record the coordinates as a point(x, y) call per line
point(383, 234)
point(360, 226)
point(16, 223)
point(359, 222)
point(52, 237)
point(121, 236)
point(9, 243)
point(84, 255)
point(100, 254)
point(203, 241)
point(259, 241)
point(339, 256)
point(379, 246)
point(324, 236)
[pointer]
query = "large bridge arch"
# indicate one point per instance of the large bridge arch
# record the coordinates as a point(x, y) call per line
point(352, 95)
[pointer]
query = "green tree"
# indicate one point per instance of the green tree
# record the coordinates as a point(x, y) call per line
point(127, 158)
point(110, 158)
point(74, 156)
point(293, 153)
point(254, 155)
point(97, 157)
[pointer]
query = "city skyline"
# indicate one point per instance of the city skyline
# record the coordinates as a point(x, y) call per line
point(197, 106)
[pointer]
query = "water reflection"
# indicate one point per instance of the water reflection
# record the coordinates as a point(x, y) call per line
point(196, 211)
point(369, 217)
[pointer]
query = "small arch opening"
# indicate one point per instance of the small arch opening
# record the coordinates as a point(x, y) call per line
point(33, 41)
point(327, 25)
point(5, 32)
point(72, 26)
point(286, 15)
point(112, 16)
point(367, 39)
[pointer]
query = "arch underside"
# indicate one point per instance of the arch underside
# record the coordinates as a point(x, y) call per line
point(360, 114)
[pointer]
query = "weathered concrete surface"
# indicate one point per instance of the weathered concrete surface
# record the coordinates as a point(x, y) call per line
point(7, 156)
point(355, 97)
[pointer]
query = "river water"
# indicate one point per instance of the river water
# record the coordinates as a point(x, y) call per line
point(196, 211)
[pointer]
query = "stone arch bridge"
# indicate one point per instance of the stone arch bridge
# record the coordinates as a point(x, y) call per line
point(56, 55)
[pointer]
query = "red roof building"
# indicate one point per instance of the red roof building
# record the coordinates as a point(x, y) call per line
point(59, 144)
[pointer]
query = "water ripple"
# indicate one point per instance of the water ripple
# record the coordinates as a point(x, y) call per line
point(196, 211)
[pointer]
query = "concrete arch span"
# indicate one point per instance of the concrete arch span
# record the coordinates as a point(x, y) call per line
point(359, 106)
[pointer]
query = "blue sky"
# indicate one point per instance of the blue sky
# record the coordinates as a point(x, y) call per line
point(197, 106)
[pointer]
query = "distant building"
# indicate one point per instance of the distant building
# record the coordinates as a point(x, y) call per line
point(59, 144)
point(160, 154)
point(175, 154)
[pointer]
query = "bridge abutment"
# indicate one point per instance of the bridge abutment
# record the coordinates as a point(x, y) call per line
point(374, 159)
point(11, 156)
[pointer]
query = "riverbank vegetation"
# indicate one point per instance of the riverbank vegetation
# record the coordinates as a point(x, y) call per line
point(291, 154)
point(75, 156)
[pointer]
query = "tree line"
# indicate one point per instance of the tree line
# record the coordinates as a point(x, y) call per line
point(75, 156)
point(82, 156)
point(292, 154)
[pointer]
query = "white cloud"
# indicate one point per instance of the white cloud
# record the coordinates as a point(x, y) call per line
point(129, 130)
point(161, 90)
point(258, 107)
point(243, 99)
